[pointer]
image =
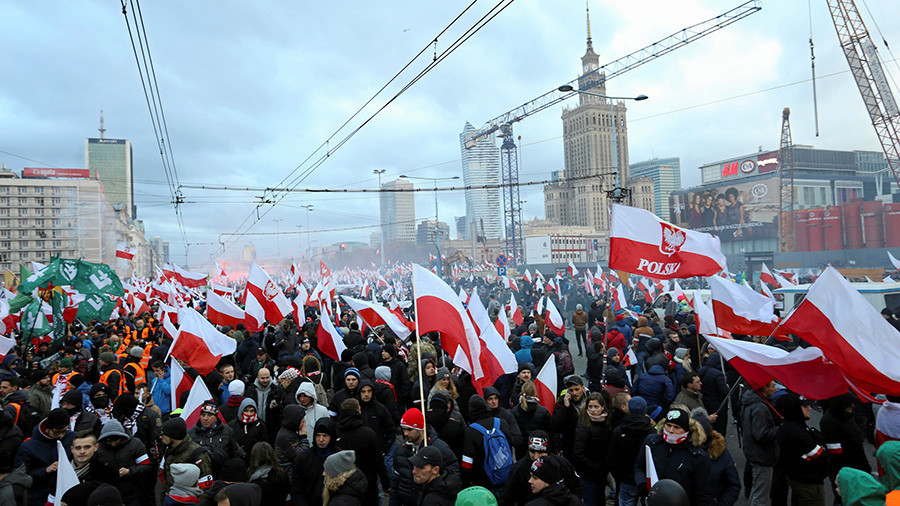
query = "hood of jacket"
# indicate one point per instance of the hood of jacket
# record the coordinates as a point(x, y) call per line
point(445, 484)
point(527, 342)
point(478, 408)
point(17, 477)
point(349, 421)
point(244, 403)
point(307, 388)
point(789, 406)
point(888, 457)
point(19, 396)
point(243, 494)
point(113, 428)
point(860, 488)
point(353, 483)
point(716, 445)
point(291, 417)
point(657, 370)
point(636, 424)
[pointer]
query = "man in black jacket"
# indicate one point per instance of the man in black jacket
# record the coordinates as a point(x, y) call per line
point(518, 490)
point(214, 436)
point(403, 488)
point(760, 440)
point(354, 435)
point(473, 454)
point(439, 486)
point(625, 446)
point(803, 457)
point(715, 390)
point(492, 397)
point(307, 481)
point(565, 413)
point(547, 483)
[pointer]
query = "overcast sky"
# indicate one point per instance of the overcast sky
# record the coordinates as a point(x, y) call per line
point(250, 89)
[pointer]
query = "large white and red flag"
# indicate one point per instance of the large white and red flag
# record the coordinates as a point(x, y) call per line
point(766, 276)
point(741, 310)
point(514, 311)
point(265, 301)
point(573, 271)
point(199, 394)
point(652, 476)
point(545, 384)
point(220, 270)
point(330, 340)
point(222, 290)
point(619, 301)
point(125, 251)
point(555, 320)
point(641, 243)
point(850, 332)
point(502, 324)
point(179, 383)
point(187, 278)
point(496, 357)
point(198, 343)
point(376, 315)
point(221, 311)
point(804, 370)
point(438, 309)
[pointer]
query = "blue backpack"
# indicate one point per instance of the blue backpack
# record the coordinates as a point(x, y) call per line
point(498, 456)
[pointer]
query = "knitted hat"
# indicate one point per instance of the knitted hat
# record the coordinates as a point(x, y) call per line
point(175, 428)
point(442, 373)
point(539, 441)
point(57, 419)
point(290, 374)
point(236, 388)
point(339, 463)
point(74, 398)
point(680, 418)
point(413, 419)
point(351, 371)
point(107, 357)
point(65, 362)
point(104, 495)
point(383, 373)
point(546, 470)
point(680, 353)
point(38, 375)
point(637, 406)
point(136, 352)
point(113, 428)
point(185, 475)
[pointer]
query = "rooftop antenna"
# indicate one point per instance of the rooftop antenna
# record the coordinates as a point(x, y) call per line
point(102, 129)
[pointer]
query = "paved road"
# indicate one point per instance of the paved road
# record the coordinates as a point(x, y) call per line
point(731, 436)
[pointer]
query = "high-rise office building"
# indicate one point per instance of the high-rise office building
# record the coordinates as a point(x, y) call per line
point(429, 231)
point(595, 139)
point(462, 227)
point(110, 161)
point(666, 176)
point(398, 212)
point(481, 167)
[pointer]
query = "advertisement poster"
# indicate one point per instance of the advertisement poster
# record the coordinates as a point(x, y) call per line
point(741, 211)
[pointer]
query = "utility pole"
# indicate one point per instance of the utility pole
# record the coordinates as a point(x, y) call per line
point(277, 236)
point(379, 172)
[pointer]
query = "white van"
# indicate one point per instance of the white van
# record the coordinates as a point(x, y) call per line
point(880, 295)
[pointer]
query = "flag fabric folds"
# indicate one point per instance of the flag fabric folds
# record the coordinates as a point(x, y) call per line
point(221, 311)
point(741, 310)
point(545, 384)
point(198, 343)
point(375, 315)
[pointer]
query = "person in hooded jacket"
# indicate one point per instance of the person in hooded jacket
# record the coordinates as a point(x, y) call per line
point(473, 456)
point(386, 392)
point(345, 484)
point(240, 494)
point(626, 443)
point(399, 373)
point(214, 436)
point(136, 418)
point(655, 387)
point(101, 404)
point(844, 438)
point(888, 457)
point(84, 420)
point(523, 354)
point(376, 416)
point(354, 435)
point(860, 489)
point(530, 415)
point(308, 399)
point(715, 390)
point(307, 482)
point(404, 491)
point(441, 417)
point(656, 355)
point(11, 436)
point(14, 482)
point(129, 457)
point(39, 454)
point(229, 408)
point(803, 457)
point(678, 455)
point(350, 390)
point(292, 436)
point(492, 397)
point(247, 428)
point(725, 485)
point(361, 363)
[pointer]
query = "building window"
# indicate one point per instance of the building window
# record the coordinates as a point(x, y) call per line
point(4, 190)
point(23, 233)
point(4, 244)
point(57, 244)
point(4, 233)
point(23, 212)
point(38, 244)
point(23, 190)
point(23, 201)
point(39, 190)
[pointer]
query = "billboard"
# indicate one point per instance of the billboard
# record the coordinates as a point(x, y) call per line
point(739, 211)
point(53, 172)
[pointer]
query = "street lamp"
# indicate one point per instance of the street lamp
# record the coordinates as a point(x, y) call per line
point(277, 238)
point(308, 208)
point(437, 235)
point(617, 193)
point(379, 172)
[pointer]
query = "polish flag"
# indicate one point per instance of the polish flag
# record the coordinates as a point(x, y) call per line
point(222, 290)
point(222, 311)
point(527, 276)
point(512, 284)
point(169, 329)
point(545, 384)
point(220, 269)
point(804, 370)
point(315, 296)
point(65, 476)
point(850, 332)
point(296, 279)
point(539, 306)
point(180, 382)
point(324, 270)
point(164, 310)
point(265, 301)
point(741, 310)
point(364, 291)
point(198, 343)
point(551, 285)
point(502, 325)
point(297, 308)
point(187, 278)
point(766, 291)
point(641, 243)
point(652, 477)
point(555, 320)
point(513, 308)
point(573, 271)
point(382, 283)
point(706, 323)
point(375, 315)
point(766, 276)
point(124, 250)
point(620, 302)
point(439, 310)
point(195, 399)
point(679, 293)
point(496, 357)
point(894, 261)
point(630, 358)
point(331, 342)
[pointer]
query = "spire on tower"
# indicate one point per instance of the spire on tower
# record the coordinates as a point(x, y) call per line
point(587, 10)
point(101, 129)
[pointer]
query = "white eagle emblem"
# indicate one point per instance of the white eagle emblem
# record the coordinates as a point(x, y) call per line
point(672, 239)
point(270, 291)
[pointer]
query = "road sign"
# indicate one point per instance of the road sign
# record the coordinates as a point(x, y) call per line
point(502, 260)
point(501, 271)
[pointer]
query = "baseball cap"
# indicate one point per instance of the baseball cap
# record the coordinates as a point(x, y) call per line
point(428, 456)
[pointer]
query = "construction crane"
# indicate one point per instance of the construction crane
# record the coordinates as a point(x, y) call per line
point(504, 123)
point(786, 176)
point(865, 65)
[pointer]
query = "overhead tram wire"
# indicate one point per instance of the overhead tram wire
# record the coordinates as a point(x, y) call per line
point(437, 59)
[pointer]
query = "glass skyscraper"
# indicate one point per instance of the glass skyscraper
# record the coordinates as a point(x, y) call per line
point(481, 166)
point(110, 161)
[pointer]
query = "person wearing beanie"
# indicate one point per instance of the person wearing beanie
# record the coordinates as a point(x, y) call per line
point(344, 482)
point(110, 375)
point(129, 457)
point(137, 419)
point(240, 494)
point(83, 420)
point(399, 377)
point(184, 489)
point(353, 434)
point(229, 409)
point(39, 454)
point(803, 459)
point(247, 428)
point(214, 436)
point(678, 455)
point(350, 390)
point(181, 449)
point(386, 393)
point(518, 489)
point(547, 483)
point(474, 458)
point(40, 395)
point(104, 495)
point(403, 486)
point(132, 369)
point(307, 481)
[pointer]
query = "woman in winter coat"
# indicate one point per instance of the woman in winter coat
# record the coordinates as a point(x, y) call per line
point(265, 471)
point(248, 428)
point(592, 436)
point(345, 485)
point(530, 415)
point(725, 486)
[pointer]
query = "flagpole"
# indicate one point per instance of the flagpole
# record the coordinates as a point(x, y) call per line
point(419, 365)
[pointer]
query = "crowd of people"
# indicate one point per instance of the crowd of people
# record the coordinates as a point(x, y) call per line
point(397, 422)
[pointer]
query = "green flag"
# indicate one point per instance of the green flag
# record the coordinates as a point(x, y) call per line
point(58, 302)
point(95, 306)
point(41, 278)
point(94, 278)
point(34, 323)
point(18, 302)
